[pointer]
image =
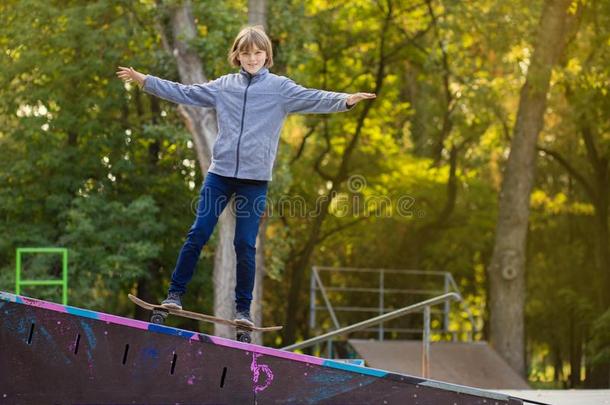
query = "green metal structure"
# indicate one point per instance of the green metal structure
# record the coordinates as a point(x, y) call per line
point(63, 282)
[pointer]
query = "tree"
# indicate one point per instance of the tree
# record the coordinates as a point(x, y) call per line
point(78, 150)
point(507, 267)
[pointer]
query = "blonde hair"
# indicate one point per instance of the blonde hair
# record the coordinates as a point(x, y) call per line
point(247, 38)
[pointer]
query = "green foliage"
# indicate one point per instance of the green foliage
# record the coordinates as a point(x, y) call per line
point(600, 344)
point(113, 244)
point(84, 161)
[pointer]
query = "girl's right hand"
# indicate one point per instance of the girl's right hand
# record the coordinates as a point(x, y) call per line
point(358, 97)
point(129, 74)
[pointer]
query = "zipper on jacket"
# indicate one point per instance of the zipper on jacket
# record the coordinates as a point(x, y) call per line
point(241, 130)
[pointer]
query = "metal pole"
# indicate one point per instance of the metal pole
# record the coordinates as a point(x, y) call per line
point(18, 273)
point(426, 344)
point(331, 311)
point(446, 306)
point(64, 287)
point(381, 302)
point(312, 299)
point(374, 321)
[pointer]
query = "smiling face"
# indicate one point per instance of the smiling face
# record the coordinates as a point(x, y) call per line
point(251, 50)
point(252, 59)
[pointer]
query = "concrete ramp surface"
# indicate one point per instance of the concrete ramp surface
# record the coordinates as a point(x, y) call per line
point(55, 354)
point(473, 364)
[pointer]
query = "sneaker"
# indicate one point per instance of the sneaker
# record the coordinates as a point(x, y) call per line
point(172, 301)
point(244, 318)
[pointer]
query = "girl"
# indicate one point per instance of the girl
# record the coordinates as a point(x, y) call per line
point(251, 107)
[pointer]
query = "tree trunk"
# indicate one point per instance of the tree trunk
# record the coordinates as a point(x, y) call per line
point(507, 267)
point(224, 272)
point(602, 256)
point(203, 126)
point(557, 363)
point(439, 146)
point(575, 351)
point(257, 295)
point(257, 12)
point(601, 198)
point(257, 15)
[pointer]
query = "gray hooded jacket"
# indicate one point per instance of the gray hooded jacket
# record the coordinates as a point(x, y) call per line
point(251, 110)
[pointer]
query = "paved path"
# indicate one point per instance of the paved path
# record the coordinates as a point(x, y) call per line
point(563, 397)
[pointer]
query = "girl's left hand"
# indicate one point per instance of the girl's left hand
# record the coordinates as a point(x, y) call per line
point(357, 97)
point(128, 74)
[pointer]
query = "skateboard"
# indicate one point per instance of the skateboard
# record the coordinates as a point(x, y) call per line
point(160, 313)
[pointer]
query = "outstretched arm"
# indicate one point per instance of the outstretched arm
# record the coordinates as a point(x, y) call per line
point(203, 95)
point(298, 99)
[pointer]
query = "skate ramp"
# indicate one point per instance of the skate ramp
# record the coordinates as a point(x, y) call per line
point(55, 354)
point(472, 364)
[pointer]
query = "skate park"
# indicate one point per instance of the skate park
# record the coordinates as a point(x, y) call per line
point(291, 201)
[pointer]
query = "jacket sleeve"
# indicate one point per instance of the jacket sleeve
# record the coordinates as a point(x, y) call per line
point(203, 95)
point(298, 99)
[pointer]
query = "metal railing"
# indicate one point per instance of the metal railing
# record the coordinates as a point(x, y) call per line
point(424, 305)
point(448, 285)
point(63, 281)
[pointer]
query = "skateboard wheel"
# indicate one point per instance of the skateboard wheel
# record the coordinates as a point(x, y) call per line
point(158, 319)
point(244, 337)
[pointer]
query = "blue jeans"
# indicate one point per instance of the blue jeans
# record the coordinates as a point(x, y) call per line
point(215, 194)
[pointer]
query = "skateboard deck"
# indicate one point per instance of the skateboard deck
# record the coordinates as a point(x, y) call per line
point(200, 317)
